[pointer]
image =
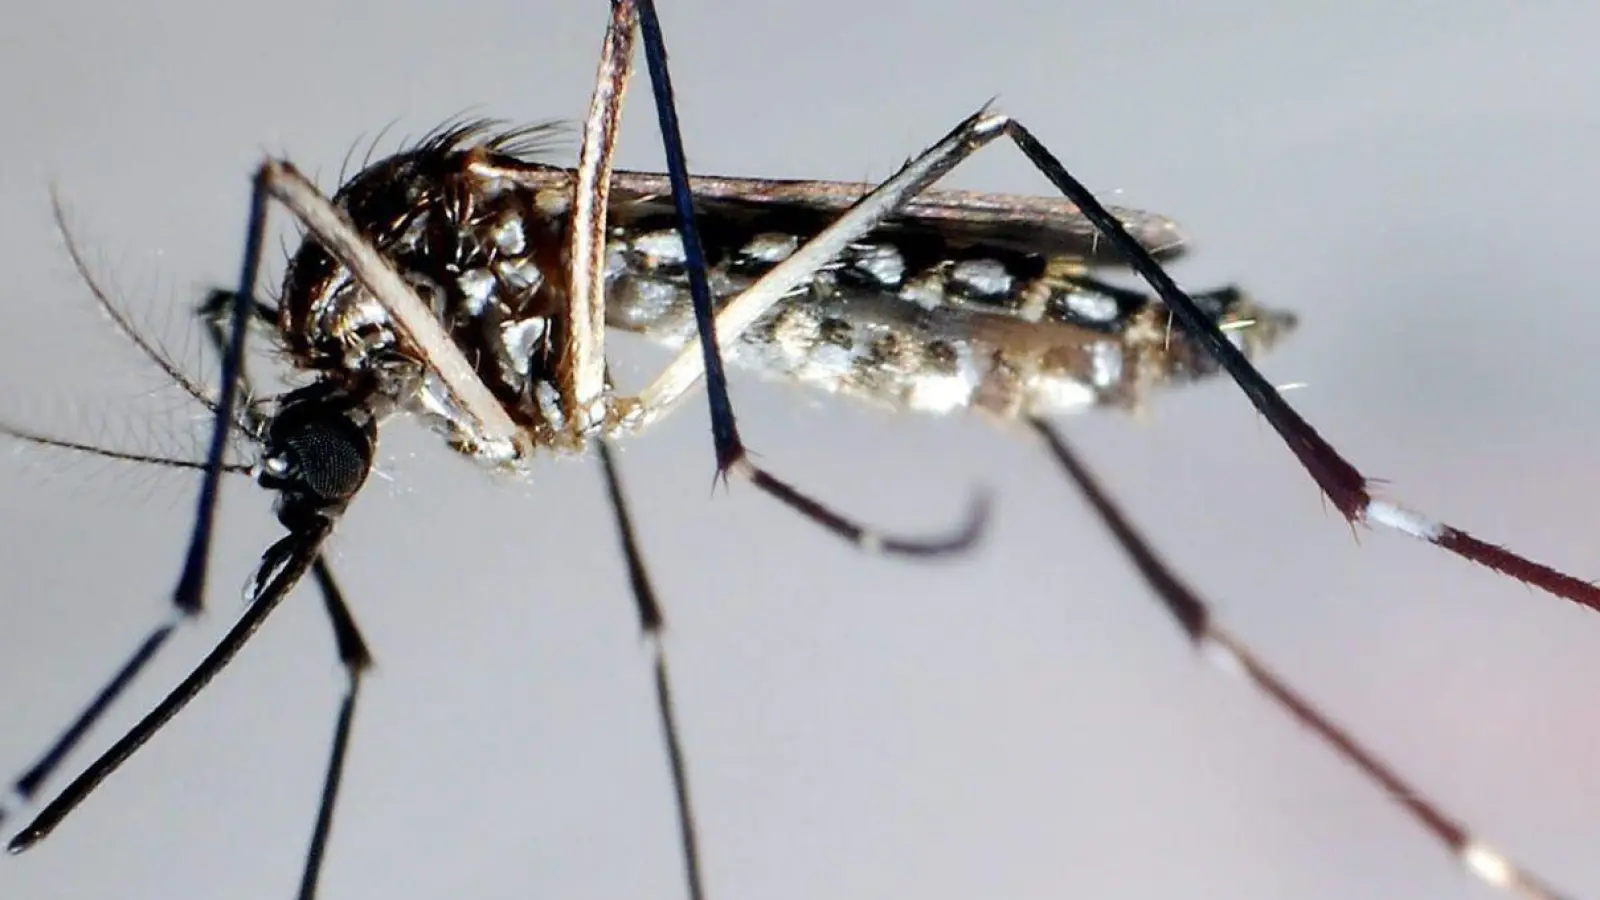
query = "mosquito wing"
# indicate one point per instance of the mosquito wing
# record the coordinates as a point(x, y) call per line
point(998, 221)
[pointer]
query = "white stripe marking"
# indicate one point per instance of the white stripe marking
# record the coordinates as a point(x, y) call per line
point(1401, 519)
point(1223, 657)
point(1488, 863)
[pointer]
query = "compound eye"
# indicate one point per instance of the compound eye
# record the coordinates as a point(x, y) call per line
point(329, 457)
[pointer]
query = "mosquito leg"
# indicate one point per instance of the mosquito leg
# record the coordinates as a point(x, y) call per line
point(740, 313)
point(314, 491)
point(281, 567)
point(1194, 617)
point(652, 623)
point(724, 429)
point(356, 659)
point(26, 787)
point(188, 598)
point(214, 311)
point(586, 250)
point(581, 369)
point(1339, 481)
point(316, 455)
point(688, 367)
point(582, 364)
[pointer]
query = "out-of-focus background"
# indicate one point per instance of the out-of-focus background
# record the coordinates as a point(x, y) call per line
point(1419, 184)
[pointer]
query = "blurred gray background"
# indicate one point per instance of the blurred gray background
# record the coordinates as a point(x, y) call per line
point(1417, 183)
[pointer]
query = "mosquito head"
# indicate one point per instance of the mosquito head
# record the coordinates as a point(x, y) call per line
point(317, 451)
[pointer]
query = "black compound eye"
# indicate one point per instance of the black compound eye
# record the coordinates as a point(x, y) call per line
point(319, 446)
point(330, 457)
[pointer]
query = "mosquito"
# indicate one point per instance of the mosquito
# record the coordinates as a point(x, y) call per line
point(464, 283)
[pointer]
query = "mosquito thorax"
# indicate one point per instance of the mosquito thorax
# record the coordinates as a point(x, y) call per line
point(482, 254)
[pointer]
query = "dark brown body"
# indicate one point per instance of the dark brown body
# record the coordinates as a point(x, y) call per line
point(965, 300)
